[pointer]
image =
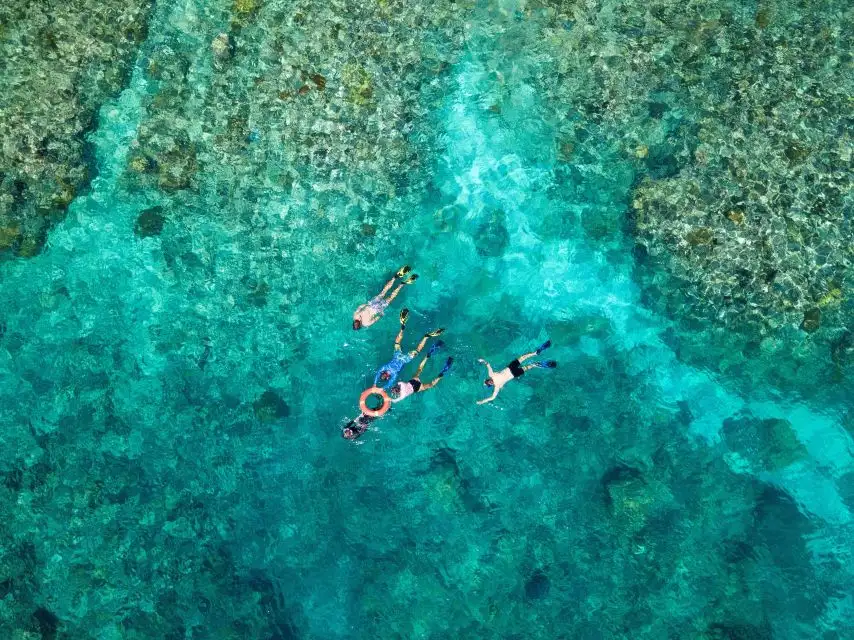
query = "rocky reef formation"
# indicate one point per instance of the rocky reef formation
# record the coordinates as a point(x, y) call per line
point(298, 95)
point(737, 122)
point(58, 63)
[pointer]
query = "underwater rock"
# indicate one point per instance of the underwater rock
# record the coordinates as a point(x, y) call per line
point(357, 83)
point(796, 153)
point(763, 18)
point(736, 216)
point(270, 407)
point(657, 109)
point(222, 47)
point(258, 294)
point(699, 237)
point(163, 154)
point(245, 6)
point(319, 81)
point(203, 605)
point(62, 62)
point(10, 236)
point(176, 168)
point(769, 444)
point(812, 320)
point(784, 532)
point(149, 223)
point(492, 238)
point(631, 498)
point(846, 489)
point(537, 586)
point(738, 631)
point(841, 350)
point(46, 623)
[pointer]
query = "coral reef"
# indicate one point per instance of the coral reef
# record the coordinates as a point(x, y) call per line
point(739, 125)
point(302, 94)
point(173, 378)
point(737, 122)
point(61, 61)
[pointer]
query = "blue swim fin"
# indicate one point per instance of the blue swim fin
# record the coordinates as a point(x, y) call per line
point(447, 367)
point(439, 344)
point(546, 364)
point(544, 346)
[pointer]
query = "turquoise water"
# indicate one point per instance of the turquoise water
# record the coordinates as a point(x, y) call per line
point(625, 494)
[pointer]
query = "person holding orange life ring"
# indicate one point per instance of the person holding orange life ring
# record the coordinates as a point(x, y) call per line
point(359, 425)
point(356, 427)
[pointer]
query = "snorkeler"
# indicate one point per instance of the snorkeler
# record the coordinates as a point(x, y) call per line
point(403, 390)
point(373, 310)
point(388, 373)
point(356, 427)
point(359, 425)
point(514, 370)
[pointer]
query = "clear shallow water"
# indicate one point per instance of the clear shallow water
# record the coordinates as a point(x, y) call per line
point(624, 494)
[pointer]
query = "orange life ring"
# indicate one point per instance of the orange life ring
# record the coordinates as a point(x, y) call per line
point(374, 413)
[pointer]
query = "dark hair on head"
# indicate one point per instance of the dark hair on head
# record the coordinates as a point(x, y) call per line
point(357, 324)
point(489, 382)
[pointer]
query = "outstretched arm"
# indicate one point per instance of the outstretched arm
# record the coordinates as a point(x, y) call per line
point(490, 398)
point(489, 370)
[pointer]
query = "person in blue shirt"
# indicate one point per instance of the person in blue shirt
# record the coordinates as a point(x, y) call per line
point(387, 374)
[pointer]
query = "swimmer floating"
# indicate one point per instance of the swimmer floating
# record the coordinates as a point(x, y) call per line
point(368, 313)
point(388, 373)
point(514, 370)
point(359, 425)
point(356, 427)
point(403, 390)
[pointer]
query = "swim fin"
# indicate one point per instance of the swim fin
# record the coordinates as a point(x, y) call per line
point(403, 271)
point(411, 279)
point(404, 316)
point(544, 346)
point(434, 333)
point(546, 364)
point(439, 344)
point(447, 367)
